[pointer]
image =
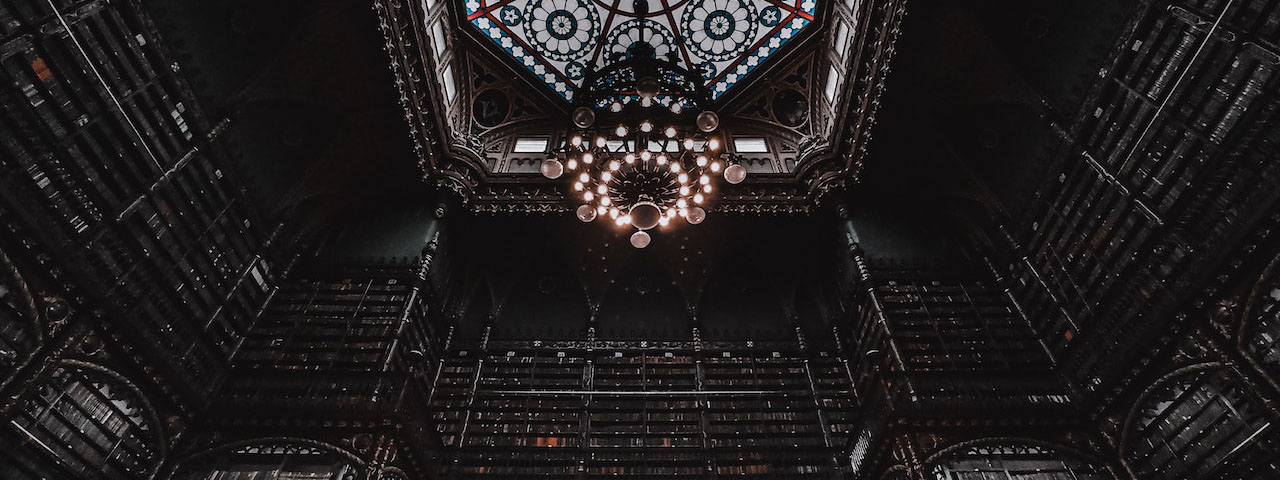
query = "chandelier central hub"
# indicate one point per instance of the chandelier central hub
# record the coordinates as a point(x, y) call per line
point(643, 151)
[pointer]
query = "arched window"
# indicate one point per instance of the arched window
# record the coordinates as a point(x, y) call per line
point(1262, 331)
point(83, 423)
point(1014, 461)
point(1201, 424)
point(273, 460)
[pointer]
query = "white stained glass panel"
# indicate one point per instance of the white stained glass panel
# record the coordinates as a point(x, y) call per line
point(750, 145)
point(531, 145)
point(437, 38)
point(842, 39)
point(450, 90)
point(833, 83)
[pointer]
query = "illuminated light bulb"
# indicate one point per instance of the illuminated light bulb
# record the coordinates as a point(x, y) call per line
point(670, 132)
point(662, 159)
point(697, 198)
point(614, 165)
point(682, 204)
point(605, 177)
point(616, 106)
point(645, 155)
point(664, 221)
point(702, 160)
point(584, 178)
point(601, 142)
point(577, 186)
point(576, 141)
point(588, 196)
point(713, 144)
point(630, 158)
point(671, 212)
point(587, 158)
point(613, 212)
point(676, 108)
point(572, 164)
point(683, 211)
point(646, 102)
point(704, 180)
point(706, 188)
point(688, 144)
point(606, 201)
point(646, 126)
point(684, 190)
point(622, 219)
point(683, 177)
point(621, 131)
point(602, 189)
point(601, 210)
point(675, 167)
point(715, 167)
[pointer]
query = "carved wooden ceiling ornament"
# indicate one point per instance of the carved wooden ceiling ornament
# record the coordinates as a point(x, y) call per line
point(798, 120)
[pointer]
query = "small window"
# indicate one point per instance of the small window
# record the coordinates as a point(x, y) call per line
point(750, 145)
point(531, 145)
point(437, 38)
point(833, 82)
point(450, 90)
point(842, 39)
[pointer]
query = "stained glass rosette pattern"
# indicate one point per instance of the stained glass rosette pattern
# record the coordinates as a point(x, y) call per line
point(557, 40)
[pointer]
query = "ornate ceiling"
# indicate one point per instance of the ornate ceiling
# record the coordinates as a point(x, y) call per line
point(560, 40)
point(797, 84)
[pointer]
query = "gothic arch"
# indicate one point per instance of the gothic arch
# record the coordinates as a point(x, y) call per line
point(1258, 330)
point(1001, 454)
point(90, 419)
point(1197, 420)
point(279, 449)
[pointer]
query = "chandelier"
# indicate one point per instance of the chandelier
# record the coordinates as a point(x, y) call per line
point(642, 150)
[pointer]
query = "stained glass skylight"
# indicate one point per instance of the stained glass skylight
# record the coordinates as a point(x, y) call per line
point(558, 39)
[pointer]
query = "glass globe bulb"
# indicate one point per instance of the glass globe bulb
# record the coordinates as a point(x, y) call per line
point(576, 141)
point(706, 188)
point(735, 174)
point(640, 239)
point(622, 220)
point(670, 132)
point(606, 201)
point(715, 167)
point(613, 212)
point(646, 102)
point(646, 126)
point(702, 160)
point(664, 221)
point(621, 131)
point(713, 144)
point(671, 212)
point(586, 213)
point(645, 155)
point(602, 189)
point(584, 178)
point(697, 198)
point(688, 144)
point(662, 159)
point(588, 196)
point(572, 164)
point(552, 168)
point(675, 167)
point(684, 190)
point(587, 158)
point(683, 177)
point(605, 177)
point(630, 158)
point(601, 142)
point(681, 203)
point(577, 186)
point(704, 180)
point(614, 165)
point(616, 106)
point(676, 107)
point(696, 215)
point(601, 210)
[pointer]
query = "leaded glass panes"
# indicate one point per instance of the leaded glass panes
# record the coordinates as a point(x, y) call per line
point(559, 40)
